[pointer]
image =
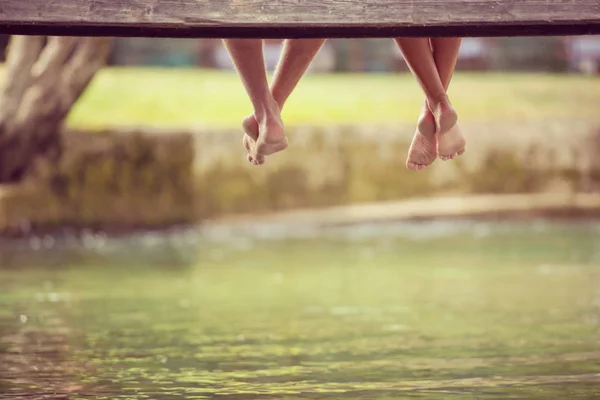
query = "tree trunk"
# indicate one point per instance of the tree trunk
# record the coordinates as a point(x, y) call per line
point(43, 78)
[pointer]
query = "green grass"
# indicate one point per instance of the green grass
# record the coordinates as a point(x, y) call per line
point(192, 97)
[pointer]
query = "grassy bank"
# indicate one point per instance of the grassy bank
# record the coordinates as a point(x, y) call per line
point(527, 134)
point(192, 97)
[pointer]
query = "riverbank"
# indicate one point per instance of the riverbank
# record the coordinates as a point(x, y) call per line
point(345, 165)
point(506, 206)
point(107, 180)
point(181, 162)
point(129, 180)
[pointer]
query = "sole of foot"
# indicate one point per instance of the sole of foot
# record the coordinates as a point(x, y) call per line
point(263, 139)
point(450, 140)
point(423, 148)
point(250, 127)
point(451, 143)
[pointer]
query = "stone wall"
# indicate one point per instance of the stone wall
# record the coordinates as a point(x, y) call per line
point(145, 179)
point(346, 165)
point(106, 180)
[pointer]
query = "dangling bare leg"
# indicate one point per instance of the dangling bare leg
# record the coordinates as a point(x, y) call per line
point(247, 56)
point(445, 53)
point(296, 56)
point(419, 57)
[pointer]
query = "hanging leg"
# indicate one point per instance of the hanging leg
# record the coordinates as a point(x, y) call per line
point(423, 148)
point(296, 57)
point(419, 57)
point(247, 56)
point(445, 53)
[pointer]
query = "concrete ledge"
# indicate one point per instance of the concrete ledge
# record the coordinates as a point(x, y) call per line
point(154, 178)
point(105, 180)
point(467, 206)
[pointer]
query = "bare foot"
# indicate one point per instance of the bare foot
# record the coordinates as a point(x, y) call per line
point(422, 152)
point(271, 135)
point(250, 126)
point(264, 136)
point(451, 143)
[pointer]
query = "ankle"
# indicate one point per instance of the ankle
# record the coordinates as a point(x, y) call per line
point(266, 110)
point(435, 102)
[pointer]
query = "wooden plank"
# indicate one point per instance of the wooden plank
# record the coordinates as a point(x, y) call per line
point(300, 18)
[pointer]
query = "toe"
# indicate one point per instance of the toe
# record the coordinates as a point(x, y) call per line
point(416, 166)
point(447, 157)
point(247, 141)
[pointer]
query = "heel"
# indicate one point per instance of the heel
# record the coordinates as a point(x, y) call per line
point(445, 116)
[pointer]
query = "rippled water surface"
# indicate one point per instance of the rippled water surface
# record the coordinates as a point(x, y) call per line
point(431, 310)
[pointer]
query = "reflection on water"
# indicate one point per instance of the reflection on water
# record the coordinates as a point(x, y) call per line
point(446, 309)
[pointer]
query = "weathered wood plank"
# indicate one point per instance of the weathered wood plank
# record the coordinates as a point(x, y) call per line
point(300, 18)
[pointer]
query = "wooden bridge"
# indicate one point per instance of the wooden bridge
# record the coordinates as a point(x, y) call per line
point(299, 18)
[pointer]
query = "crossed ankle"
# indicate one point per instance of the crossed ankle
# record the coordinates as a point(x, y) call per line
point(435, 102)
point(267, 111)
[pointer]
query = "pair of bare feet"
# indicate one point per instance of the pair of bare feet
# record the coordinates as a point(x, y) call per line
point(264, 134)
point(437, 134)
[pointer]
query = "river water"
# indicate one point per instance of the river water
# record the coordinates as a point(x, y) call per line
point(453, 309)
